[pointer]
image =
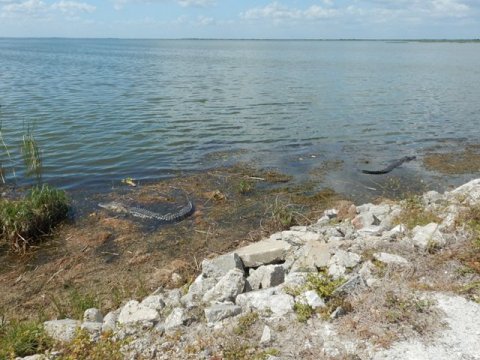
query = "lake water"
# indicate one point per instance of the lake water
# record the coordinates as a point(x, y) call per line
point(103, 110)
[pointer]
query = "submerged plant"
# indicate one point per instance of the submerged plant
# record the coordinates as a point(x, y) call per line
point(31, 154)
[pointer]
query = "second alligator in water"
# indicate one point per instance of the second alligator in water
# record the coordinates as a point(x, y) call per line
point(181, 214)
point(392, 166)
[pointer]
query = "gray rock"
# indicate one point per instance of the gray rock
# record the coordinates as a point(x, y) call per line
point(267, 299)
point(265, 277)
point(371, 230)
point(355, 282)
point(432, 197)
point(154, 302)
point(219, 312)
point(134, 312)
point(219, 266)
point(172, 297)
point(264, 252)
point(92, 315)
point(267, 335)
point(227, 288)
point(339, 311)
point(61, 330)
point(177, 317)
point(331, 213)
point(468, 193)
point(296, 238)
point(390, 258)
point(395, 233)
point(110, 321)
point(313, 256)
point(366, 272)
point(427, 236)
point(336, 271)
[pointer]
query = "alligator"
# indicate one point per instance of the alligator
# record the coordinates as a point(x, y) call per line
point(181, 214)
point(390, 167)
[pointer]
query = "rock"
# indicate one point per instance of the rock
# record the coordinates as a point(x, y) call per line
point(176, 318)
point(371, 230)
point(197, 290)
point(313, 255)
point(61, 330)
point(265, 277)
point(395, 233)
point(311, 298)
point(426, 236)
point(227, 288)
point(266, 335)
point(172, 297)
point(296, 238)
point(432, 197)
point(331, 213)
point(219, 266)
point(134, 312)
point(339, 311)
point(390, 258)
point(348, 287)
point(92, 315)
point(93, 328)
point(294, 279)
point(337, 271)
point(219, 312)
point(366, 272)
point(344, 258)
point(468, 193)
point(264, 252)
point(154, 302)
point(278, 304)
point(110, 321)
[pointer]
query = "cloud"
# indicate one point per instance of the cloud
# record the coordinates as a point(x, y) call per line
point(199, 3)
point(278, 12)
point(73, 7)
point(120, 4)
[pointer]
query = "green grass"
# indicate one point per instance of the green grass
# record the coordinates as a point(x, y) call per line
point(23, 339)
point(83, 348)
point(245, 322)
point(23, 222)
point(31, 154)
point(413, 214)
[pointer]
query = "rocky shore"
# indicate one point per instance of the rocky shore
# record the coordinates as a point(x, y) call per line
point(364, 282)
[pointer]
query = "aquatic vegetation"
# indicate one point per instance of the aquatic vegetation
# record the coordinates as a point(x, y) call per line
point(31, 154)
point(23, 222)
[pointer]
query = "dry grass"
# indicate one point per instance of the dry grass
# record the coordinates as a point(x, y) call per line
point(466, 161)
point(414, 213)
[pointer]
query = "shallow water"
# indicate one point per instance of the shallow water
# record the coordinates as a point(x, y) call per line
point(103, 110)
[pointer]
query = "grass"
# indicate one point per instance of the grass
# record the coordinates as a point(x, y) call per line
point(245, 187)
point(82, 347)
point(23, 222)
point(31, 154)
point(414, 214)
point(245, 322)
point(75, 304)
point(282, 215)
point(19, 339)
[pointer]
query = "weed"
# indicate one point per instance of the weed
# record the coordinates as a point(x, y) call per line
point(323, 284)
point(82, 347)
point(303, 311)
point(245, 322)
point(23, 339)
point(31, 154)
point(414, 213)
point(245, 187)
point(235, 351)
point(266, 354)
point(282, 215)
point(75, 304)
point(24, 221)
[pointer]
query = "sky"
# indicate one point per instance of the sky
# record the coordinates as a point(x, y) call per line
point(294, 19)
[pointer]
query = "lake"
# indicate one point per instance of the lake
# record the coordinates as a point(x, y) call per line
point(103, 110)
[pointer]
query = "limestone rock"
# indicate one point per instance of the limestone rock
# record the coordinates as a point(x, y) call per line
point(346, 259)
point(313, 255)
point(219, 312)
point(267, 336)
point(352, 284)
point(428, 235)
point(265, 277)
point(110, 321)
point(264, 252)
point(154, 302)
point(311, 298)
point(267, 299)
point(92, 315)
point(390, 258)
point(61, 330)
point(134, 312)
point(176, 318)
point(227, 288)
point(197, 290)
point(93, 328)
point(219, 266)
point(468, 193)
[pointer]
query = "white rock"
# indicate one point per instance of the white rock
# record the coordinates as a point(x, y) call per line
point(61, 330)
point(428, 235)
point(176, 318)
point(390, 258)
point(110, 321)
point(395, 233)
point(134, 312)
point(197, 290)
point(346, 259)
point(336, 271)
point(227, 288)
point(355, 282)
point(311, 298)
point(219, 266)
point(265, 277)
point(264, 252)
point(266, 335)
point(279, 304)
point(331, 213)
point(468, 193)
point(92, 315)
point(93, 328)
point(371, 230)
point(154, 302)
point(219, 312)
point(312, 256)
point(366, 272)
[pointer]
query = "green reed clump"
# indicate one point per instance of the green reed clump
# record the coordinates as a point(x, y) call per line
point(23, 222)
point(31, 154)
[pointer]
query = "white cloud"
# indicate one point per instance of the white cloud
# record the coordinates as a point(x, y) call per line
point(28, 7)
point(204, 21)
point(73, 7)
point(278, 12)
point(200, 3)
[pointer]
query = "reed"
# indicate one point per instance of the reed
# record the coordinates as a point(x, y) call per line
point(31, 154)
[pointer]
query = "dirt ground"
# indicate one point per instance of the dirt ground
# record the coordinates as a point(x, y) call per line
point(103, 258)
